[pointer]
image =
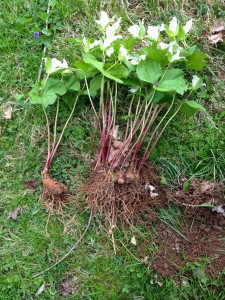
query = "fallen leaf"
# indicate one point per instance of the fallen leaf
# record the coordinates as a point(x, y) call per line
point(218, 26)
point(205, 186)
point(215, 38)
point(8, 113)
point(40, 290)
point(133, 241)
point(13, 215)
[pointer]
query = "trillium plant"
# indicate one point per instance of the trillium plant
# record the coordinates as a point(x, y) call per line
point(50, 90)
point(157, 71)
point(137, 80)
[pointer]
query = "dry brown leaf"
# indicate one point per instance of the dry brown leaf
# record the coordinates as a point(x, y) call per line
point(8, 113)
point(218, 26)
point(40, 290)
point(14, 214)
point(215, 38)
point(205, 186)
point(134, 241)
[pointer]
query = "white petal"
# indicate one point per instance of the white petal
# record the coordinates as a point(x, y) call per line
point(153, 32)
point(95, 43)
point(134, 61)
point(134, 30)
point(143, 57)
point(162, 27)
point(133, 90)
point(123, 51)
point(195, 80)
point(177, 56)
point(187, 26)
point(163, 46)
point(109, 51)
point(57, 65)
point(173, 25)
point(112, 30)
point(104, 20)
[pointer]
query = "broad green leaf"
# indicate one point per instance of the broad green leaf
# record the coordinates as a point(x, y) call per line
point(196, 61)
point(159, 97)
point(117, 70)
point(190, 107)
point(149, 71)
point(175, 85)
point(90, 59)
point(188, 51)
point(46, 99)
point(195, 105)
point(46, 32)
point(95, 83)
point(55, 86)
point(181, 33)
point(84, 69)
point(153, 53)
point(72, 84)
point(172, 74)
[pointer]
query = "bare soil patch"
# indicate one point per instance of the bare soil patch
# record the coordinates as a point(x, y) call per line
point(200, 237)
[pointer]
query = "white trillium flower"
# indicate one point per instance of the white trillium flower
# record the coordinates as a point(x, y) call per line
point(153, 32)
point(109, 40)
point(109, 51)
point(95, 43)
point(134, 30)
point(57, 65)
point(163, 45)
point(195, 80)
point(104, 20)
point(188, 26)
point(143, 57)
point(177, 56)
point(173, 26)
point(162, 27)
point(112, 30)
point(133, 90)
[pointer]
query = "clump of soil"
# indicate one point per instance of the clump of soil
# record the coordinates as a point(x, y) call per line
point(123, 201)
point(200, 193)
point(204, 242)
point(68, 287)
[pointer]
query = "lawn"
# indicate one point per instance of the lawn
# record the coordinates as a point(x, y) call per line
point(34, 234)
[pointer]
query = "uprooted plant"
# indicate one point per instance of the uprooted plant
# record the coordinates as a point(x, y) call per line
point(46, 92)
point(155, 70)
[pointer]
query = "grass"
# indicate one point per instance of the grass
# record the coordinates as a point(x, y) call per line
point(35, 240)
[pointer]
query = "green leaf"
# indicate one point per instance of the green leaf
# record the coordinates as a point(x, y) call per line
point(95, 83)
point(90, 59)
point(153, 53)
point(177, 85)
point(47, 98)
point(195, 105)
point(186, 185)
point(48, 65)
point(196, 61)
point(181, 33)
point(190, 107)
point(46, 32)
point(172, 74)
point(55, 86)
point(72, 84)
point(149, 70)
point(117, 70)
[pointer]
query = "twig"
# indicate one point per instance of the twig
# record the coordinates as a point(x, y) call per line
point(71, 250)
point(45, 48)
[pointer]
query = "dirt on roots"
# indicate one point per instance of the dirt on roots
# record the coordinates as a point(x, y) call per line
point(124, 202)
point(200, 236)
